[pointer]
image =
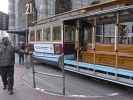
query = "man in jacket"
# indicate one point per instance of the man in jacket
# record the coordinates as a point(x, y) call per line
point(7, 60)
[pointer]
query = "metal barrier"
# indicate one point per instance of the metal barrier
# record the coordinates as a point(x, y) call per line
point(51, 75)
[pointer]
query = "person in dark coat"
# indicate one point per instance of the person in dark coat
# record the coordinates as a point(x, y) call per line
point(21, 53)
point(7, 61)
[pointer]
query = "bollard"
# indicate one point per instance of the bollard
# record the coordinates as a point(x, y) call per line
point(33, 71)
point(61, 65)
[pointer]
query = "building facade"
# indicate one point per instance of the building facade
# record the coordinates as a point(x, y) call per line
point(45, 8)
point(48, 8)
point(19, 21)
point(3, 21)
point(3, 25)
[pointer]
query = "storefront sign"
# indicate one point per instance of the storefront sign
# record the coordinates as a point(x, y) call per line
point(44, 48)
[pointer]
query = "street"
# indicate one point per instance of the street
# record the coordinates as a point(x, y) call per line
point(75, 84)
point(78, 87)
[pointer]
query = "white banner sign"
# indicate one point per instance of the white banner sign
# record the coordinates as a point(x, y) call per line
point(44, 48)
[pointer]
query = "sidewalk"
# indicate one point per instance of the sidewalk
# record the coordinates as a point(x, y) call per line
point(21, 90)
point(24, 92)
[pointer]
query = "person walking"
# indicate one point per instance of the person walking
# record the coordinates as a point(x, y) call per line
point(21, 53)
point(7, 61)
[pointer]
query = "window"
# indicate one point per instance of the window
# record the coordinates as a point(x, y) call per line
point(32, 36)
point(126, 28)
point(95, 2)
point(125, 33)
point(69, 33)
point(105, 33)
point(38, 35)
point(46, 34)
point(62, 6)
point(57, 33)
point(88, 37)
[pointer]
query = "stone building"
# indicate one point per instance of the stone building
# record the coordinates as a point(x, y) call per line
point(3, 21)
point(19, 21)
point(48, 8)
point(3, 25)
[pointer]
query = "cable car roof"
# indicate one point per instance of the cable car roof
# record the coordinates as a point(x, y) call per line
point(93, 10)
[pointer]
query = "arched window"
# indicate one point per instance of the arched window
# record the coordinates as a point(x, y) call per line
point(62, 6)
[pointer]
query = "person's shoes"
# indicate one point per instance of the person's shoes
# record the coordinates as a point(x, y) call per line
point(5, 87)
point(11, 92)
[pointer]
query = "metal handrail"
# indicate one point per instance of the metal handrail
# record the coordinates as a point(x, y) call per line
point(51, 75)
point(47, 74)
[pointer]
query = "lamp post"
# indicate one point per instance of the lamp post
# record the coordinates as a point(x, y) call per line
point(28, 12)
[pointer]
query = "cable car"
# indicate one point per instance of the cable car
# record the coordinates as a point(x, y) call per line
point(97, 41)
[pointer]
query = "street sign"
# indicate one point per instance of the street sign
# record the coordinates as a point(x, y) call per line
point(29, 8)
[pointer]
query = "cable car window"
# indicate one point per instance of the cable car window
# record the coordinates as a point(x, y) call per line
point(46, 34)
point(125, 33)
point(38, 35)
point(125, 28)
point(69, 33)
point(105, 33)
point(57, 33)
point(32, 36)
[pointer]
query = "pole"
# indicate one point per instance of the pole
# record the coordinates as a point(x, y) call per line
point(33, 71)
point(62, 59)
point(116, 31)
point(77, 42)
point(116, 41)
point(94, 43)
point(26, 34)
point(26, 37)
point(63, 72)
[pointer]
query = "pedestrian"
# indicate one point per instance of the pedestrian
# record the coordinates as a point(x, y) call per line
point(21, 53)
point(7, 61)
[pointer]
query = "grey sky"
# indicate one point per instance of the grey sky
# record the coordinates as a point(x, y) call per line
point(4, 6)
